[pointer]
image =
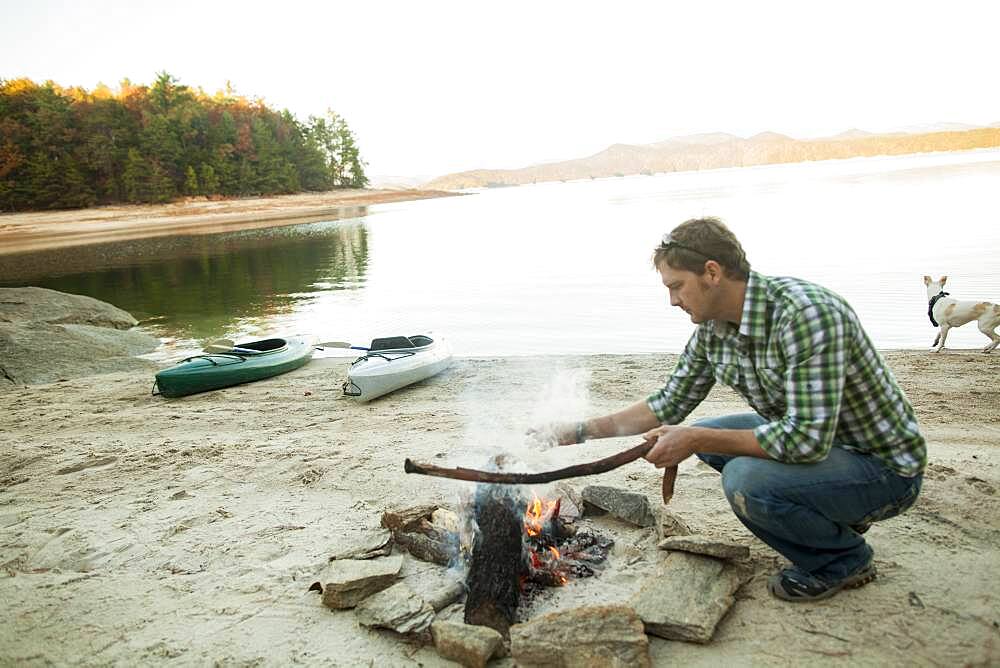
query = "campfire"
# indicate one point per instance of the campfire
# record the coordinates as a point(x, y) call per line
point(520, 548)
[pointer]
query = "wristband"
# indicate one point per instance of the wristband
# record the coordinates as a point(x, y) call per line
point(581, 432)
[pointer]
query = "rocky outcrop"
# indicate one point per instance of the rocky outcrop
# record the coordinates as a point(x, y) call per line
point(47, 336)
point(41, 305)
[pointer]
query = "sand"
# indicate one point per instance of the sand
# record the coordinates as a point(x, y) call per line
point(140, 530)
point(25, 232)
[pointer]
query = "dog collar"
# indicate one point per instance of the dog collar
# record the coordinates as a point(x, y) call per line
point(930, 306)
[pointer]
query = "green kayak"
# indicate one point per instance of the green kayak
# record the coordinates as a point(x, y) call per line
point(243, 363)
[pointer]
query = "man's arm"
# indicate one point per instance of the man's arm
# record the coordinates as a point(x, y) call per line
point(675, 444)
point(687, 386)
point(636, 419)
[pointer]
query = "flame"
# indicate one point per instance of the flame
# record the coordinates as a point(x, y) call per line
point(536, 514)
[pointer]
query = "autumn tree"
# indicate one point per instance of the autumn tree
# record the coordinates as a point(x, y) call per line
point(65, 148)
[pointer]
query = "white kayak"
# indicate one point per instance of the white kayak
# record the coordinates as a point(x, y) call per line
point(395, 362)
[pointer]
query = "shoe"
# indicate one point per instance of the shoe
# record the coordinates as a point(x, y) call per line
point(862, 528)
point(792, 584)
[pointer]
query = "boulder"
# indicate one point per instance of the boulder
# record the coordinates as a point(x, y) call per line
point(466, 644)
point(597, 636)
point(47, 336)
point(629, 506)
point(60, 308)
point(687, 597)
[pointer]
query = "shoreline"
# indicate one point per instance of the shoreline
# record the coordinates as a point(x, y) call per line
point(126, 518)
point(47, 230)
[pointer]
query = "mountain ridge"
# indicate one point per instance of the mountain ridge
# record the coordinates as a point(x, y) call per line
point(715, 150)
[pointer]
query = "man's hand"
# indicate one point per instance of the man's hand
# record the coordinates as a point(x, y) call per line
point(554, 433)
point(673, 445)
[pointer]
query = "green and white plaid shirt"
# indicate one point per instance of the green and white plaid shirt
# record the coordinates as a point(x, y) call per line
point(802, 360)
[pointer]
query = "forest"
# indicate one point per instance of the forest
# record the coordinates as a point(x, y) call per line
point(65, 148)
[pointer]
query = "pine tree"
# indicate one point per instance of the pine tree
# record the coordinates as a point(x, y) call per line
point(191, 182)
point(135, 177)
point(209, 181)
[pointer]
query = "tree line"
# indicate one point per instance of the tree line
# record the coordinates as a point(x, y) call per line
point(64, 148)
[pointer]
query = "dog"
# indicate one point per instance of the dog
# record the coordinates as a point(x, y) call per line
point(946, 312)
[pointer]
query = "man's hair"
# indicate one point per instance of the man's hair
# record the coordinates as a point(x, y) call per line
point(698, 240)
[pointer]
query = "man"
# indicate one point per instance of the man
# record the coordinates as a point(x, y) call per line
point(833, 444)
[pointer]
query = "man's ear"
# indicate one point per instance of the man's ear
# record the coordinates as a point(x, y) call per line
point(713, 271)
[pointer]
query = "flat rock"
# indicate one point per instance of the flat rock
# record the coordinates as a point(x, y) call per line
point(629, 506)
point(597, 636)
point(687, 597)
point(466, 644)
point(672, 525)
point(439, 590)
point(347, 582)
point(398, 609)
point(368, 545)
point(711, 547)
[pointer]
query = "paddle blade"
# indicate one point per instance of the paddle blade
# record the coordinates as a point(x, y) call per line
point(337, 344)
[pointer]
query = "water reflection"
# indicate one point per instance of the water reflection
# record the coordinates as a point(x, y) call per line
point(196, 287)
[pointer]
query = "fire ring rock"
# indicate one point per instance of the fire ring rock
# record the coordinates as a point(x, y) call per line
point(687, 597)
point(349, 581)
point(467, 644)
point(608, 635)
point(711, 547)
point(397, 608)
point(629, 506)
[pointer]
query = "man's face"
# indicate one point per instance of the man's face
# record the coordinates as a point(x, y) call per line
point(689, 291)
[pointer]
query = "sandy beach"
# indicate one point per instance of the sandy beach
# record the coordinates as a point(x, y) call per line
point(23, 232)
point(137, 530)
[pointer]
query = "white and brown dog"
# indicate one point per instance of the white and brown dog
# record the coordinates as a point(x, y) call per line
point(946, 313)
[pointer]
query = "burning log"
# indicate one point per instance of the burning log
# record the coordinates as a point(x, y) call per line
point(498, 565)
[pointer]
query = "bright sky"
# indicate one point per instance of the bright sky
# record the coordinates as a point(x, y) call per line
point(435, 87)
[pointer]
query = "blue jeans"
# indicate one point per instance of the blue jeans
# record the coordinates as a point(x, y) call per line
point(806, 511)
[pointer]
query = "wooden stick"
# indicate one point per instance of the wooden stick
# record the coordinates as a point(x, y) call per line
point(496, 477)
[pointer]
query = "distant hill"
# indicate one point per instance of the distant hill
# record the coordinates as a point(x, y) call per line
point(716, 150)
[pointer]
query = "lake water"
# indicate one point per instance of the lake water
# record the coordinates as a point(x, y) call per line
point(562, 268)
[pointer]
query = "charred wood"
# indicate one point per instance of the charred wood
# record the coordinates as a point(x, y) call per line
point(498, 564)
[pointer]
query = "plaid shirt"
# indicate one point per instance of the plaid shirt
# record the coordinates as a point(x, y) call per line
point(802, 360)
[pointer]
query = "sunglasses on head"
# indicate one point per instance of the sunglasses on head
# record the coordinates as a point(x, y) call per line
point(668, 242)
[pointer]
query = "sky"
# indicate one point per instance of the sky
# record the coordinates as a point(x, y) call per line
point(431, 88)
